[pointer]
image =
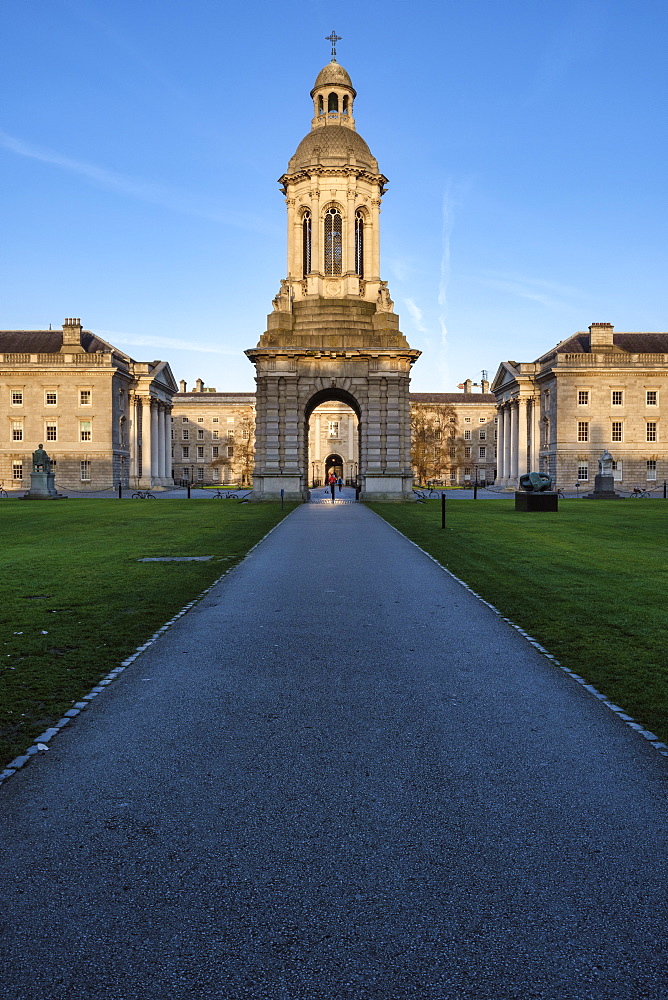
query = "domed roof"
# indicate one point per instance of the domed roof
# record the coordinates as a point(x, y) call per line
point(333, 143)
point(333, 74)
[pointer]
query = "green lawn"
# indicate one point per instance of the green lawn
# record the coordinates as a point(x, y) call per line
point(588, 582)
point(75, 601)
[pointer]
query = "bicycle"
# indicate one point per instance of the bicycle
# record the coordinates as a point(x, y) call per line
point(143, 495)
point(640, 494)
point(3, 492)
point(425, 494)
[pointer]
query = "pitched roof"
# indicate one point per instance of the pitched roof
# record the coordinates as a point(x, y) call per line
point(453, 397)
point(634, 343)
point(49, 342)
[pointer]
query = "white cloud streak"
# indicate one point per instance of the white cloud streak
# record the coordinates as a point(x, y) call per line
point(164, 343)
point(155, 194)
point(416, 315)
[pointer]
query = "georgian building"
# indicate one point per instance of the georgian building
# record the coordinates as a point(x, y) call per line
point(102, 417)
point(212, 435)
point(597, 390)
point(453, 436)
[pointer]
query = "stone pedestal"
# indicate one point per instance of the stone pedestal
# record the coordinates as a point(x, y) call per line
point(547, 501)
point(42, 487)
point(604, 489)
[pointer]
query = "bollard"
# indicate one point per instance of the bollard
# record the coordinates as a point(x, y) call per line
point(189, 491)
point(442, 510)
point(282, 495)
point(120, 490)
point(664, 489)
point(475, 490)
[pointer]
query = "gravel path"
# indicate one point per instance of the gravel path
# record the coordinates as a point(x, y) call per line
point(339, 777)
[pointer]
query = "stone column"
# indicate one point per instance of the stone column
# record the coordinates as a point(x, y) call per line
point(162, 441)
point(534, 440)
point(133, 438)
point(373, 244)
point(168, 445)
point(155, 438)
point(349, 262)
point(513, 444)
point(146, 443)
point(316, 236)
point(521, 437)
point(499, 445)
point(506, 444)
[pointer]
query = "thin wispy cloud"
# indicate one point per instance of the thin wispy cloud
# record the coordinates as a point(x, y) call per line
point(416, 315)
point(547, 293)
point(156, 194)
point(164, 343)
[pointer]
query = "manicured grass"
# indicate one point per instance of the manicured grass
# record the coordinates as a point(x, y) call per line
point(75, 601)
point(588, 582)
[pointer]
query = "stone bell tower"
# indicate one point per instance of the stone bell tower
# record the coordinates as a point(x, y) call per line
point(333, 333)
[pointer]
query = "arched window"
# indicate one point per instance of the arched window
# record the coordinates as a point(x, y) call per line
point(333, 242)
point(321, 106)
point(345, 104)
point(359, 244)
point(333, 102)
point(306, 243)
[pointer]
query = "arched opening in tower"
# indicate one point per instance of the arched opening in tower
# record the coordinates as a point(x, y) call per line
point(332, 440)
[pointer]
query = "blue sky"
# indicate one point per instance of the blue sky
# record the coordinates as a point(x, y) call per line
point(524, 140)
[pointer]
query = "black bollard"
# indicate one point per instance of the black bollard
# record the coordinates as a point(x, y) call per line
point(475, 490)
point(442, 510)
point(189, 491)
point(120, 490)
point(664, 489)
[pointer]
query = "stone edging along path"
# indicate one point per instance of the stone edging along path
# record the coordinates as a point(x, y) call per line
point(40, 743)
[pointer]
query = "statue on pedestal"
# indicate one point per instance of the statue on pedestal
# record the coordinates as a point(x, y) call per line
point(40, 460)
point(42, 485)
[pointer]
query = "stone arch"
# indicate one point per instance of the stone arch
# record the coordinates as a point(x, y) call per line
point(321, 394)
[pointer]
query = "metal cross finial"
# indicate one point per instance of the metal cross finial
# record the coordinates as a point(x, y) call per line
point(333, 38)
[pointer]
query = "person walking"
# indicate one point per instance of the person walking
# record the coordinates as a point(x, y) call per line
point(332, 484)
point(340, 483)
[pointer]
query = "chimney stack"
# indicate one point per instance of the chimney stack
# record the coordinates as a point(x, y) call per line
point(72, 337)
point(485, 385)
point(182, 385)
point(467, 385)
point(200, 385)
point(601, 335)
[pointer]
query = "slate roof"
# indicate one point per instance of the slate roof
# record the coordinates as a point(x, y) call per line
point(634, 343)
point(333, 142)
point(453, 397)
point(333, 74)
point(49, 342)
point(196, 396)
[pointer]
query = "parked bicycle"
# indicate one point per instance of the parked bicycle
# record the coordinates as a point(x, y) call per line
point(3, 492)
point(143, 495)
point(638, 493)
point(425, 494)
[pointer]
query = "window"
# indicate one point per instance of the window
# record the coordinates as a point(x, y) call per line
point(215, 420)
point(333, 241)
point(483, 452)
point(184, 420)
point(467, 435)
point(185, 452)
point(306, 244)
point(452, 452)
point(467, 473)
point(214, 435)
point(200, 420)
point(214, 452)
point(51, 432)
point(467, 452)
point(85, 430)
point(617, 431)
point(185, 433)
point(652, 397)
point(200, 451)
point(17, 430)
point(17, 397)
point(51, 398)
point(332, 103)
point(617, 397)
point(172, 433)
point(583, 472)
point(583, 397)
point(651, 430)
point(245, 434)
point(200, 434)
point(334, 428)
point(453, 475)
point(482, 435)
point(481, 420)
point(200, 474)
point(17, 471)
point(651, 468)
point(84, 473)
point(359, 244)
point(230, 434)
point(230, 451)
point(467, 420)
point(583, 430)
point(84, 397)
point(617, 471)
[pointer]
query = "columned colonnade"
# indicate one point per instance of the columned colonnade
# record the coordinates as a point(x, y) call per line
point(518, 443)
point(150, 441)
